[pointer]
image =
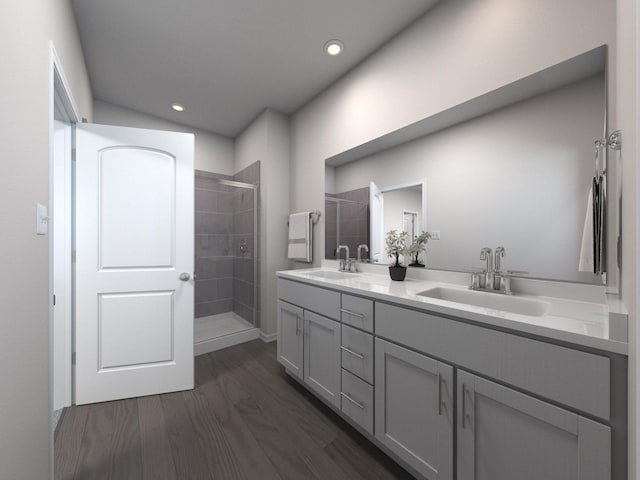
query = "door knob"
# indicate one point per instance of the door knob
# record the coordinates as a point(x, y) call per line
point(184, 276)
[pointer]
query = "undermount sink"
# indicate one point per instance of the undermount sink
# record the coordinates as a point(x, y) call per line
point(331, 274)
point(505, 303)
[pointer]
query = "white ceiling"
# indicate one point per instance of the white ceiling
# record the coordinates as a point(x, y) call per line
point(227, 60)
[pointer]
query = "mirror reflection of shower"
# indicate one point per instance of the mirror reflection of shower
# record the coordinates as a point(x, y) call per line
point(226, 227)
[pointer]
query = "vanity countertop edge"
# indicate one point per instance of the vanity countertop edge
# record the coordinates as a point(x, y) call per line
point(592, 333)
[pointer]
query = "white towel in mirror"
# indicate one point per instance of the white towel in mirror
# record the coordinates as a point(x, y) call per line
point(588, 239)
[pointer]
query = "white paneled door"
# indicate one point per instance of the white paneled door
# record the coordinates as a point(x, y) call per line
point(134, 262)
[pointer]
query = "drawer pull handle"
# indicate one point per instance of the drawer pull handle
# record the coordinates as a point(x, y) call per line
point(465, 416)
point(349, 312)
point(440, 394)
point(355, 354)
point(348, 397)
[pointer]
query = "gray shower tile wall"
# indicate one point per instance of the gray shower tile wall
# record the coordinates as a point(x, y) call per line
point(246, 228)
point(213, 230)
point(250, 174)
point(349, 217)
point(330, 226)
point(224, 221)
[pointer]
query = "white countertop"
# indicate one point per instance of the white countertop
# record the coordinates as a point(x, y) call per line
point(585, 323)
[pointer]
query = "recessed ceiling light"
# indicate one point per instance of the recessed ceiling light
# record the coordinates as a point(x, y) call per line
point(177, 107)
point(333, 47)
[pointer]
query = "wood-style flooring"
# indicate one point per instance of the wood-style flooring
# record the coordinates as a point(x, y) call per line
point(244, 420)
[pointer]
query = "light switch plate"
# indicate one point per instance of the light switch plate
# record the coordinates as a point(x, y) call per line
point(41, 219)
point(435, 234)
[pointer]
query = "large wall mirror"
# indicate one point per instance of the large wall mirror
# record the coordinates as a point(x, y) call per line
point(512, 168)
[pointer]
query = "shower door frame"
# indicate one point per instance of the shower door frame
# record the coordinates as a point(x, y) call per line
point(254, 187)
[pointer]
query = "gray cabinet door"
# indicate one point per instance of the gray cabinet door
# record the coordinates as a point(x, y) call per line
point(414, 409)
point(290, 337)
point(504, 435)
point(322, 356)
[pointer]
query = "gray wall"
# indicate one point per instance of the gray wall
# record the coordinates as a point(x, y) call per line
point(427, 69)
point(626, 106)
point(267, 139)
point(517, 177)
point(24, 180)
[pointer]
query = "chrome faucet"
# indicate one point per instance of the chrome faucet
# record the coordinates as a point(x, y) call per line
point(343, 263)
point(360, 248)
point(485, 254)
point(492, 278)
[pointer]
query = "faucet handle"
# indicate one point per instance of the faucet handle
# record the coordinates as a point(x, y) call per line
point(500, 252)
point(351, 266)
point(484, 253)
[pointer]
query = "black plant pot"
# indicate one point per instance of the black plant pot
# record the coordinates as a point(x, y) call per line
point(416, 265)
point(397, 273)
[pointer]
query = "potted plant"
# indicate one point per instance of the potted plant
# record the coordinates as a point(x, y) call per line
point(396, 246)
point(419, 245)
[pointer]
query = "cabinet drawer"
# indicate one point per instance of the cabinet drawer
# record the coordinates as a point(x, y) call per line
point(357, 352)
point(315, 299)
point(568, 376)
point(357, 312)
point(357, 400)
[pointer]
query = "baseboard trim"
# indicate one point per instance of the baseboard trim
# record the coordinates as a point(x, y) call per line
point(225, 341)
point(268, 337)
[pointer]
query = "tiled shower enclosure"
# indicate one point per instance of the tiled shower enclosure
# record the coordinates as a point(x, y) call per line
point(226, 252)
point(346, 221)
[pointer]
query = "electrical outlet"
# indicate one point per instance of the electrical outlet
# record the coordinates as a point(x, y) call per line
point(435, 234)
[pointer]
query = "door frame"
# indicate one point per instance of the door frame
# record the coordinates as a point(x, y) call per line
point(60, 100)
point(417, 183)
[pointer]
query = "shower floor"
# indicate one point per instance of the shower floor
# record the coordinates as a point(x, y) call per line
point(221, 331)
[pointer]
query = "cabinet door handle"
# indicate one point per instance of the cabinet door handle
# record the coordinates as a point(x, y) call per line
point(297, 325)
point(465, 416)
point(355, 354)
point(349, 312)
point(440, 394)
point(348, 397)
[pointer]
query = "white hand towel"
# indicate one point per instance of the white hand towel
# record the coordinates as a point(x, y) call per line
point(300, 237)
point(298, 225)
point(588, 239)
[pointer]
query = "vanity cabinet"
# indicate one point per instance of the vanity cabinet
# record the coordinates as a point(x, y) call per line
point(443, 394)
point(309, 339)
point(414, 409)
point(322, 356)
point(290, 337)
point(503, 435)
